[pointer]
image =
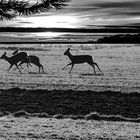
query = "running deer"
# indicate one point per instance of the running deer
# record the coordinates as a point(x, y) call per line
point(34, 60)
point(31, 59)
point(78, 59)
point(22, 61)
point(14, 60)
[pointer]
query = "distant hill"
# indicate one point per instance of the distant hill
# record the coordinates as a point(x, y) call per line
point(79, 30)
point(120, 39)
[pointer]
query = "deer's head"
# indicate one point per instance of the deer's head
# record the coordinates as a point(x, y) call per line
point(67, 51)
point(3, 56)
point(15, 52)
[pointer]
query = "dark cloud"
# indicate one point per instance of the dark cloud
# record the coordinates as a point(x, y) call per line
point(134, 24)
point(109, 4)
point(117, 9)
point(107, 8)
point(25, 22)
point(82, 8)
point(126, 13)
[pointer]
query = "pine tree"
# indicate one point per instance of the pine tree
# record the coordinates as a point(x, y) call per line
point(11, 8)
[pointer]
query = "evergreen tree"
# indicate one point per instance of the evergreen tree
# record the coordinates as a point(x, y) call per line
point(11, 8)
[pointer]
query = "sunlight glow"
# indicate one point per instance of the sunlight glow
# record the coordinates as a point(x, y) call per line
point(47, 34)
point(57, 21)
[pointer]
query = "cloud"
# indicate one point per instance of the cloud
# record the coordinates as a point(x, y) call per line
point(119, 8)
point(124, 4)
point(94, 12)
point(110, 12)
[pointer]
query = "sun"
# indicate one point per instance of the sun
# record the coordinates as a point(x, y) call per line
point(55, 21)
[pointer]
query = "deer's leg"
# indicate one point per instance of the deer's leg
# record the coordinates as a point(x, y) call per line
point(93, 67)
point(39, 69)
point(27, 60)
point(21, 64)
point(28, 64)
point(67, 65)
point(97, 66)
point(42, 68)
point(15, 68)
point(18, 68)
point(71, 68)
point(10, 67)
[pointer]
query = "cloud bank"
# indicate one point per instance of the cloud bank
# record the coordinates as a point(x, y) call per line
point(91, 13)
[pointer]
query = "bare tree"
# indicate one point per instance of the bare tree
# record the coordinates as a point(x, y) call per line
point(11, 8)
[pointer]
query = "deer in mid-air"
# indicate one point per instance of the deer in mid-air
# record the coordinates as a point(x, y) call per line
point(15, 59)
point(31, 59)
point(78, 59)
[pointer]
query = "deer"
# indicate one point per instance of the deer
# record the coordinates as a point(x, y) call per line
point(22, 61)
point(31, 59)
point(34, 60)
point(15, 59)
point(79, 59)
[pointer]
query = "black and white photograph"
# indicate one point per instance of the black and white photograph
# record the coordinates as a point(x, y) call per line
point(69, 69)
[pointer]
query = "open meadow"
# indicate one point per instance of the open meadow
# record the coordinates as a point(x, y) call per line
point(77, 106)
point(119, 63)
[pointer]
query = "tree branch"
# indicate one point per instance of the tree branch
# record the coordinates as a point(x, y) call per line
point(12, 8)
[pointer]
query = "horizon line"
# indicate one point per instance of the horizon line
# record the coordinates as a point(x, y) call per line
point(101, 29)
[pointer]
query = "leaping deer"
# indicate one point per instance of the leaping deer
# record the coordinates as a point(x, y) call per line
point(31, 59)
point(78, 59)
point(22, 61)
point(14, 60)
point(34, 60)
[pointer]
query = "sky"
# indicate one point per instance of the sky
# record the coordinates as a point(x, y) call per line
point(84, 14)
